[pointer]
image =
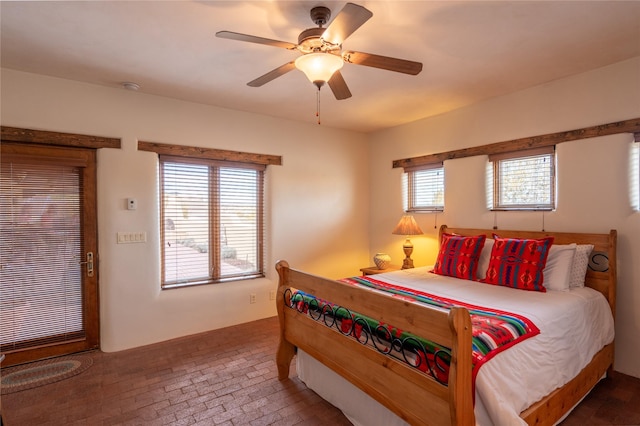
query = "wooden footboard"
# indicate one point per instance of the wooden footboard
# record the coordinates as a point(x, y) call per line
point(408, 392)
point(412, 395)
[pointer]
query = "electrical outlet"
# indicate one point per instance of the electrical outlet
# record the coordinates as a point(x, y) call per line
point(252, 298)
point(272, 295)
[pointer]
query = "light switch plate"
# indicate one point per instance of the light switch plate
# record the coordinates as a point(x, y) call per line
point(132, 237)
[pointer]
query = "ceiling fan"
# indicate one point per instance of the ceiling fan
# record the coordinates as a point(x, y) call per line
point(321, 49)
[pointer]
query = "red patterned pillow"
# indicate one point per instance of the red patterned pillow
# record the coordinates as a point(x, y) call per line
point(518, 263)
point(458, 256)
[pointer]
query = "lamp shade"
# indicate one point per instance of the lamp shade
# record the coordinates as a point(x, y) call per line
point(407, 226)
point(319, 67)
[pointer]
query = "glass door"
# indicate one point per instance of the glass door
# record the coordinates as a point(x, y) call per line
point(48, 252)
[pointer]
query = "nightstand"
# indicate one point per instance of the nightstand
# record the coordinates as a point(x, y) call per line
point(372, 270)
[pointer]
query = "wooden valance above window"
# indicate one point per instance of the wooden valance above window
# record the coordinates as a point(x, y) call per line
point(210, 153)
point(543, 150)
point(425, 166)
point(627, 126)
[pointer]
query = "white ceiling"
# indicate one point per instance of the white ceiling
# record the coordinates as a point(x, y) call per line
point(470, 50)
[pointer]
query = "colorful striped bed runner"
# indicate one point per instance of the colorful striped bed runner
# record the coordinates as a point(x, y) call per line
point(493, 331)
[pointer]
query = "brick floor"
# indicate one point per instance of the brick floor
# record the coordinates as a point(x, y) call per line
point(223, 377)
point(226, 377)
point(614, 401)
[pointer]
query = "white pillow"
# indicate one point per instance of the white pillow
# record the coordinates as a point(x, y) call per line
point(557, 270)
point(485, 257)
point(580, 264)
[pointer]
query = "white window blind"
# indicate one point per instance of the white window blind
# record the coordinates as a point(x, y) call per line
point(424, 188)
point(41, 297)
point(524, 180)
point(212, 221)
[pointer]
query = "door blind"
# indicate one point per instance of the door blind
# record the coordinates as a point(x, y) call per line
point(41, 301)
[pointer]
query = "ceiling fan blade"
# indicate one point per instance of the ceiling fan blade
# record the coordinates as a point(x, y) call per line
point(350, 18)
point(382, 62)
point(254, 39)
point(339, 86)
point(272, 75)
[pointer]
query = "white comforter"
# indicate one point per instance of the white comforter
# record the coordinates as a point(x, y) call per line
point(574, 325)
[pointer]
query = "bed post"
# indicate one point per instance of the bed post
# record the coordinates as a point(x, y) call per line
point(442, 230)
point(613, 283)
point(460, 392)
point(613, 270)
point(286, 350)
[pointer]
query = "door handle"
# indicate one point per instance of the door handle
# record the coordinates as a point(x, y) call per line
point(89, 264)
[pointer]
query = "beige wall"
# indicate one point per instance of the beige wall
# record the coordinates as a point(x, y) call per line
point(316, 218)
point(329, 211)
point(593, 176)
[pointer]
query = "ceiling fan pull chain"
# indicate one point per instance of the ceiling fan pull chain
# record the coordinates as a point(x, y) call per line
point(318, 105)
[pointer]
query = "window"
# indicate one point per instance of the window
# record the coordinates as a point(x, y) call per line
point(424, 188)
point(524, 180)
point(211, 220)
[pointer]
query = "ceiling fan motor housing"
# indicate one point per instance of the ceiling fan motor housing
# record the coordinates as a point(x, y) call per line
point(310, 40)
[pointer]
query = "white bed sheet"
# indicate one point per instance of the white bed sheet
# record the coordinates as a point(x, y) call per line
point(574, 325)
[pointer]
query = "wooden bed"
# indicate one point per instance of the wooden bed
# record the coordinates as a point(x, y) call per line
point(399, 387)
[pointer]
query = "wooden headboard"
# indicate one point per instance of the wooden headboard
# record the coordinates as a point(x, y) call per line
point(601, 274)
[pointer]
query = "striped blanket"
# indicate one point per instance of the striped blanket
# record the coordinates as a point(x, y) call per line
point(493, 331)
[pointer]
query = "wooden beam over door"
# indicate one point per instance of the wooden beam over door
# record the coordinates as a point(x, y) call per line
point(626, 126)
point(43, 137)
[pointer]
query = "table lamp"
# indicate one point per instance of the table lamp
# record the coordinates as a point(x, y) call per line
point(407, 226)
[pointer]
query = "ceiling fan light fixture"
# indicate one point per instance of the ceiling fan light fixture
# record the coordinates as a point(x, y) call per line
point(319, 67)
